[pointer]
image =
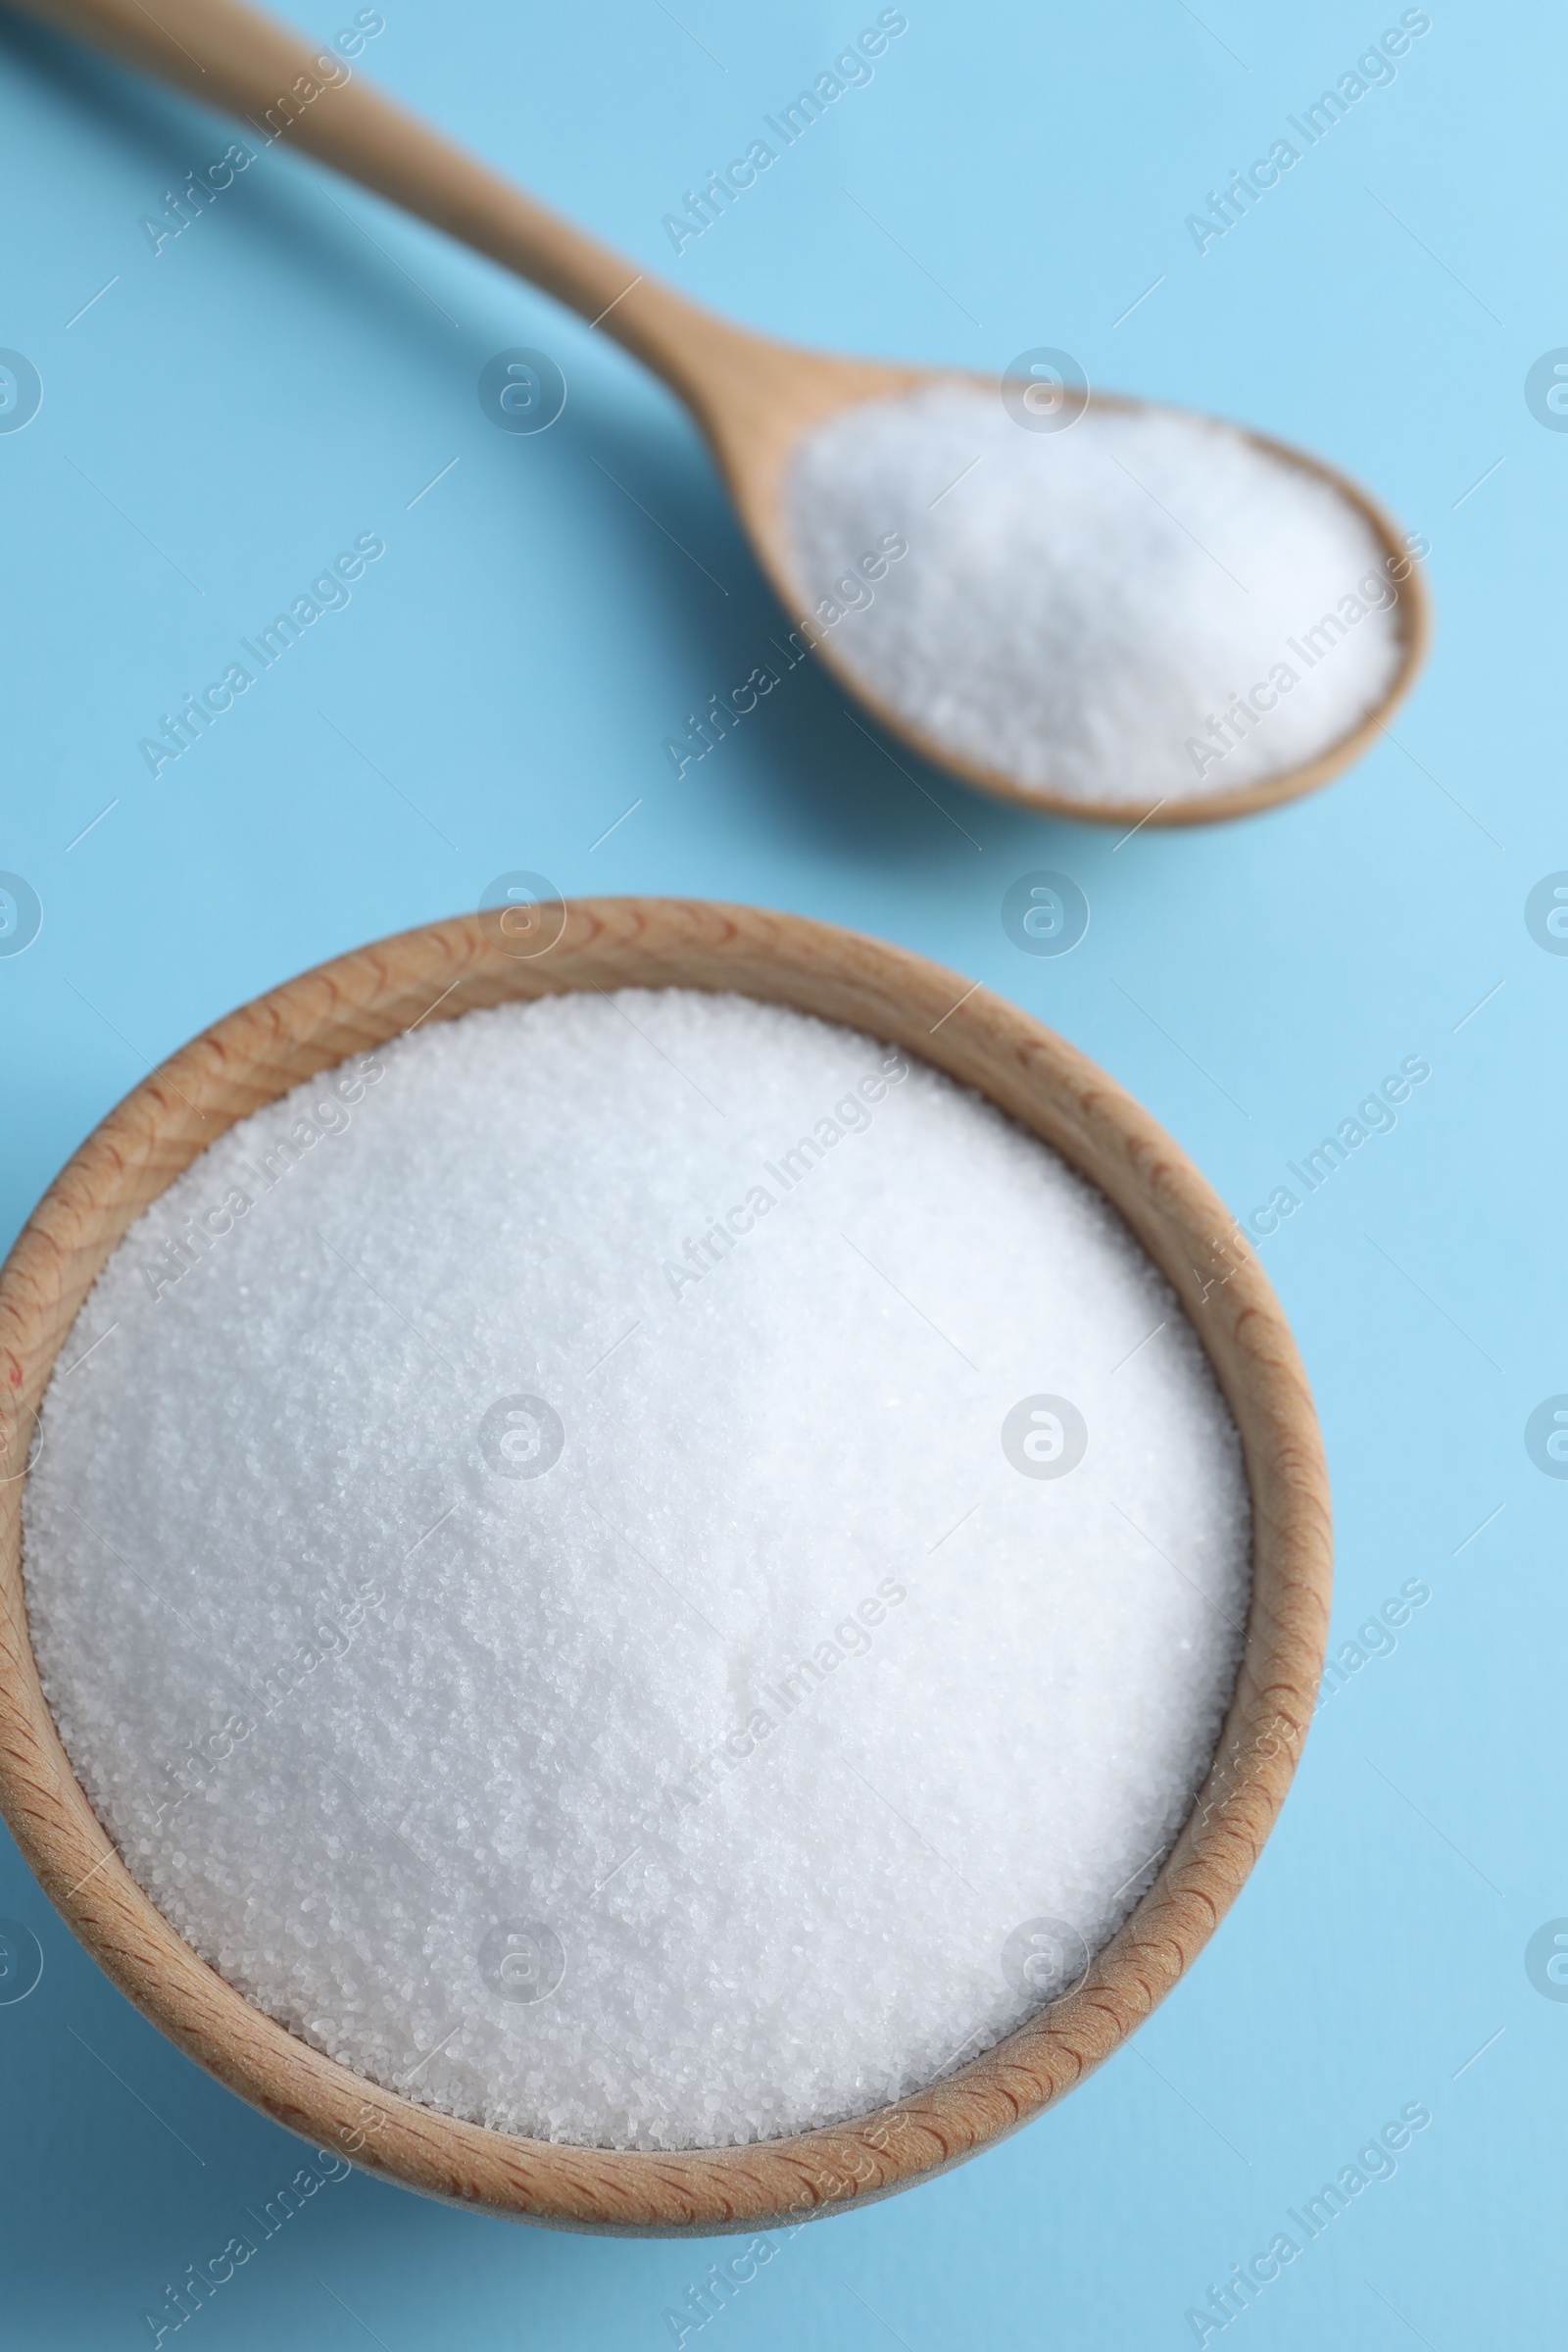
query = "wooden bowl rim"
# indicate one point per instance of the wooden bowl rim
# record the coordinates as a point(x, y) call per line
point(437, 971)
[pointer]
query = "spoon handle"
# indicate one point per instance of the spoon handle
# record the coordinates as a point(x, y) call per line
point(232, 57)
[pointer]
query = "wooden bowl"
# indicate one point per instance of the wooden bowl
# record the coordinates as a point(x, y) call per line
point(755, 397)
point(357, 1003)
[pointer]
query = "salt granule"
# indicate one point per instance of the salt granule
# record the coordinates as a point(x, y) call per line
point(1144, 606)
point(646, 1570)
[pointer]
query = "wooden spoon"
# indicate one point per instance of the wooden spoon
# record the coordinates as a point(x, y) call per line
point(752, 397)
point(438, 973)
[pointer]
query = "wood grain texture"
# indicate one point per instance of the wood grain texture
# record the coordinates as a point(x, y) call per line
point(359, 1001)
point(752, 396)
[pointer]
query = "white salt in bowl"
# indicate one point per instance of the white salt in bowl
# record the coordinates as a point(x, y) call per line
point(362, 1000)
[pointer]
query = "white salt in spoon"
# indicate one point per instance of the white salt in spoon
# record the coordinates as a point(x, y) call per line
point(1131, 665)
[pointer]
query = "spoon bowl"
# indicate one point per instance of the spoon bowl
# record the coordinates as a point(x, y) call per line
point(755, 398)
point(756, 441)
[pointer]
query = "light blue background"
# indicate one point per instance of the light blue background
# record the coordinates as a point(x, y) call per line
point(293, 371)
